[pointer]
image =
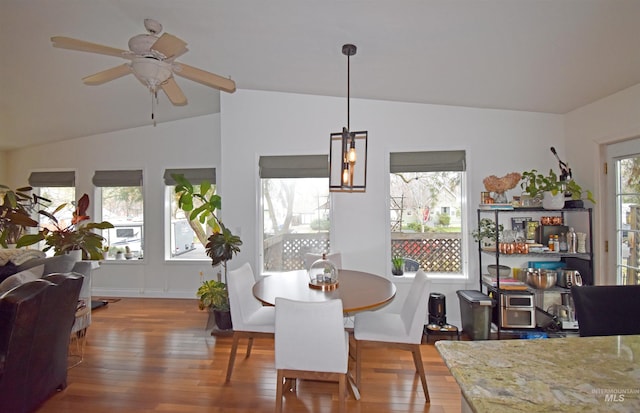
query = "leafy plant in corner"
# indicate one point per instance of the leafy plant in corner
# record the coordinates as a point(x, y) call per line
point(536, 183)
point(15, 212)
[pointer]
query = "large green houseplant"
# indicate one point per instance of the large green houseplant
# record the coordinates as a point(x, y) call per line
point(201, 205)
point(77, 235)
point(535, 184)
point(16, 207)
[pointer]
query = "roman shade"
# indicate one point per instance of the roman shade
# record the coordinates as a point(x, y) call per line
point(431, 161)
point(294, 166)
point(117, 178)
point(193, 175)
point(52, 179)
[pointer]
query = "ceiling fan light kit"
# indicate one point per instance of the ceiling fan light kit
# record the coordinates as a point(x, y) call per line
point(347, 149)
point(152, 62)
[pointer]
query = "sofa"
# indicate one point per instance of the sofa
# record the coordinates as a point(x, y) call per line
point(36, 265)
point(35, 324)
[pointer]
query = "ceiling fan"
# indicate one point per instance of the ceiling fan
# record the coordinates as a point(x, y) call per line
point(152, 61)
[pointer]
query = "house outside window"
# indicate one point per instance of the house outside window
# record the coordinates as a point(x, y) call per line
point(295, 210)
point(121, 200)
point(427, 210)
point(186, 238)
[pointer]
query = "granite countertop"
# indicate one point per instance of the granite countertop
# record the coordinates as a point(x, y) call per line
point(574, 374)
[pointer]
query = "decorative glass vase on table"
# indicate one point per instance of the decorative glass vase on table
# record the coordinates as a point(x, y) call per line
point(323, 274)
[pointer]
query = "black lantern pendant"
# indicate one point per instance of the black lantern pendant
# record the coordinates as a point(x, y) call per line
point(348, 150)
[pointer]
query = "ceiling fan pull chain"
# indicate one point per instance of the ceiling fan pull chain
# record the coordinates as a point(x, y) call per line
point(154, 98)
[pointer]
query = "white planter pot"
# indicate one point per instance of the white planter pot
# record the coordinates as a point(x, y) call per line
point(551, 201)
point(76, 254)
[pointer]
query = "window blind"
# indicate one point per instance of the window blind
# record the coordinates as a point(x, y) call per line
point(431, 161)
point(117, 178)
point(294, 166)
point(194, 175)
point(51, 179)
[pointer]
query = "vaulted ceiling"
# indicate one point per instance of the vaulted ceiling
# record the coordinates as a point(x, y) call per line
point(532, 55)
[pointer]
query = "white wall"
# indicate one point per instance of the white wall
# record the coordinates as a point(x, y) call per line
point(256, 123)
point(192, 142)
point(588, 129)
point(4, 172)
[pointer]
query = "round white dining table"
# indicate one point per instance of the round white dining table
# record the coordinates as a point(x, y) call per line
point(358, 290)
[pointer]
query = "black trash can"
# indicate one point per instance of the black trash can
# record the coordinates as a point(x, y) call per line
point(475, 311)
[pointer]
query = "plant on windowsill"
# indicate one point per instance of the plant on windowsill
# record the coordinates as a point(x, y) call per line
point(550, 185)
point(78, 235)
point(222, 245)
point(397, 265)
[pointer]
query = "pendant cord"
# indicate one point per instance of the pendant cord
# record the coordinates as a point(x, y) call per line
point(348, 91)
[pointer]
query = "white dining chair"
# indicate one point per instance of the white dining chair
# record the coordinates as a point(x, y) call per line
point(402, 330)
point(334, 257)
point(310, 343)
point(249, 317)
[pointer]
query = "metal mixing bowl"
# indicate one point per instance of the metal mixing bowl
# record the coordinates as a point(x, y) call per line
point(542, 279)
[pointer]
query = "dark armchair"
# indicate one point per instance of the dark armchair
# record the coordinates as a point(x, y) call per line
point(35, 325)
point(607, 310)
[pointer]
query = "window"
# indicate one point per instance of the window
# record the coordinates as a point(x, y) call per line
point(295, 209)
point(187, 239)
point(59, 188)
point(120, 195)
point(426, 209)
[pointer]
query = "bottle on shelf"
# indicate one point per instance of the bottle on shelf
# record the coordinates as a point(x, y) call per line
point(563, 243)
point(551, 244)
point(572, 241)
point(556, 244)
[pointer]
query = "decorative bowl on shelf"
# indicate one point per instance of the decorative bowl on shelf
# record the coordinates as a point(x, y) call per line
point(501, 271)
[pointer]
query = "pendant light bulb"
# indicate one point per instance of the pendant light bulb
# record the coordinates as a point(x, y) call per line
point(345, 174)
point(351, 156)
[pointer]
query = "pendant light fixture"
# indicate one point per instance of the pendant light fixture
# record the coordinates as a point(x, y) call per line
point(348, 150)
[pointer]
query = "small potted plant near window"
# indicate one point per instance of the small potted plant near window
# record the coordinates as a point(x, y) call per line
point(553, 189)
point(76, 236)
point(214, 296)
point(221, 246)
point(397, 265)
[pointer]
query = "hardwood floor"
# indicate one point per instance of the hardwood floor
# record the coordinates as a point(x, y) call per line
point(154, 355)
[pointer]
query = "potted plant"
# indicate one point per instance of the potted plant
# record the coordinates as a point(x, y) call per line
point(397, 265)
point(78, 235)
point(15, 213)
point(486, 232)
point(553, 188)
point(221, 245)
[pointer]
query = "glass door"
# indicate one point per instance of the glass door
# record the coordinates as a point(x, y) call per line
point(623, 206)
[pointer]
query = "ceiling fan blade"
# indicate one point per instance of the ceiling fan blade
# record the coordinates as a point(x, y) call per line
point(204, 77)
point(170, 46)
point(173, 92)
point(81, 45)
point(107, 75)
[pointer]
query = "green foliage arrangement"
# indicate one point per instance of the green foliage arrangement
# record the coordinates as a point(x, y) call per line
point(535, 183)
point(213, 294)
point(78, 235)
